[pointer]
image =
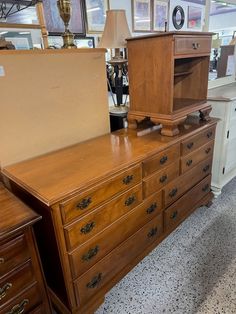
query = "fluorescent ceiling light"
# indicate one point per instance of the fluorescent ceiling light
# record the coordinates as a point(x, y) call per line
point(141, 21)
point(1, 33)
point(94, 9)
point(24, 33)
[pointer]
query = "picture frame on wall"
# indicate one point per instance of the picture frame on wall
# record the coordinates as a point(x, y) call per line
point(54, 23)
point(194, 17)
point(141, 15)
point(160, 15)
point(96, 15)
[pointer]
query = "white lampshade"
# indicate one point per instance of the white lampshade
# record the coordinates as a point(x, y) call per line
point(116, 30)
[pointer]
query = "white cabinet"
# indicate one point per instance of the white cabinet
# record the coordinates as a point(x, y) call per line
point(223, 101)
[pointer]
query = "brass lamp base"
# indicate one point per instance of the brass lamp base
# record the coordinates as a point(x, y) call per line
point(68, 40)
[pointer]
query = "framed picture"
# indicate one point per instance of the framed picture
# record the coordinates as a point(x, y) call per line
point(160, 15)
point(194, 17)
point(141, 13)
point(54, 23)
point(96, 15)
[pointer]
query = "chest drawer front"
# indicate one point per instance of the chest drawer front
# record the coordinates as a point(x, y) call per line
point(192, 45)
point(16, 281)
point(194, 142)
point(161, 160)
point(101, 273)
point(191, 160)
point(23, 303)
point(86, 201)
point(89, 225)
point(161, 178)
point(92, 251)
point(187, 180)
point(174, 214)
point(13, 253)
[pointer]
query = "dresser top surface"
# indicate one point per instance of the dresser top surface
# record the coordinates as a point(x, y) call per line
point(60, 174)
point(223, 93)
point(14, 214)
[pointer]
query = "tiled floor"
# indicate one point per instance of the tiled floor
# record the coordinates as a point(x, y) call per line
point(192, 271)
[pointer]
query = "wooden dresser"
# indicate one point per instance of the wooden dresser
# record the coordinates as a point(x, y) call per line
point(22, 287)
point(107, 202)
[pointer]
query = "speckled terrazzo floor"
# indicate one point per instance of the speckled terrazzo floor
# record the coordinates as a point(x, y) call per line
point(192, 271)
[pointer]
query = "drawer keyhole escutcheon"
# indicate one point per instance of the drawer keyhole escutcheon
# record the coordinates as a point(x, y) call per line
point(128, 179)
point(209, 134)
point(152, 232)
point(163, 178)
point(91, 253)
point(205, 188)
point(206, 168)
point(4, 289)
point(174, 215)
point(152, 208)
point(163, 160)
point(130, 200)
point(189, 162)
point(2, 261)
point(95, 281)
point(87, 228)
point(173, 192)
point(19, 308)
point(84, 203)
point(208, 150)
point(190, 145)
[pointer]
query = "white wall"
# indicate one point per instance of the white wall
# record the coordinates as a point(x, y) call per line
point(222, 21)
point(125, 5)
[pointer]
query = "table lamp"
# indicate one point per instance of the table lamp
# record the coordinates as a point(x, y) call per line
point(114, 36)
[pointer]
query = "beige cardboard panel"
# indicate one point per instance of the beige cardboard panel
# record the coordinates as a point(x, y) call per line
point(49, 100)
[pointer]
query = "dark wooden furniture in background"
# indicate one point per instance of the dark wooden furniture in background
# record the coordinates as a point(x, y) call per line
point(168, 78)
point(107, 202)
point(22, 287)
point(225, 52)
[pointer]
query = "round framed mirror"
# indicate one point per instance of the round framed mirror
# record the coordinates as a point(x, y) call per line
point(178, 17)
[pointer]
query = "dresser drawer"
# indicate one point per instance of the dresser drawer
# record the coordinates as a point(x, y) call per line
point(161, 160)
point(23, 303)
point(192, 45)
point(156, 181)
point(187, 180)
point(179, 210)
point(86, 227)
point(13, 253)
point(92, 251)
point(103, 272)
point(16, 281)
point(191, 160)
point(83, 202)
point(194, 142)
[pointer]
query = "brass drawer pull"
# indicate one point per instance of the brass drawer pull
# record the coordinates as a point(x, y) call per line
point(173, 192)
point(174, 215)
point(205, 188)
point(190, 145)
point(4, 289)
point(84, 203)
point(130, 200)
point(209, 134)
point(19, 308)
point(163, 160)
point(128, 179)
point(95, 281)
point(91, 253)
point(206, 168)
point(189, 162)
point(207, 151)
point(152, 208)
point(2, 261)
point(163, 178)
point(195, 46)
point(87, 228)
point(152, 232)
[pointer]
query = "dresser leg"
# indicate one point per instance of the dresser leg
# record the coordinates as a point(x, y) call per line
point(216, 191)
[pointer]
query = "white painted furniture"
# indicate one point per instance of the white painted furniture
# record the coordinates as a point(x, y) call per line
point(223, 101)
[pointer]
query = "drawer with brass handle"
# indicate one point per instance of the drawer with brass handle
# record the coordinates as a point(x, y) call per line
point(86, 255)
point(192, 159)
point(87, 226)
point(85, 201)
point(192, 45)
point(86, 286)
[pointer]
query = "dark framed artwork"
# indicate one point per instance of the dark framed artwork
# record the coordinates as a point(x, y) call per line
point(54, 23)
point(178, 17)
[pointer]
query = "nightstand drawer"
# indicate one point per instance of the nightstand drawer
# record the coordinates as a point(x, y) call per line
point(85, 228)
point(84, 202)
point(13, 253)
point(191, 160)
point(192, 45)
point(186, 181)
point(93, 250)
point(102, 273)
point(161, 160)
point(194, 142)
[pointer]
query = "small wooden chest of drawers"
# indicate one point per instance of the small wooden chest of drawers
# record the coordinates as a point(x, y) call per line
point(104, 219)
point(22, 287)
